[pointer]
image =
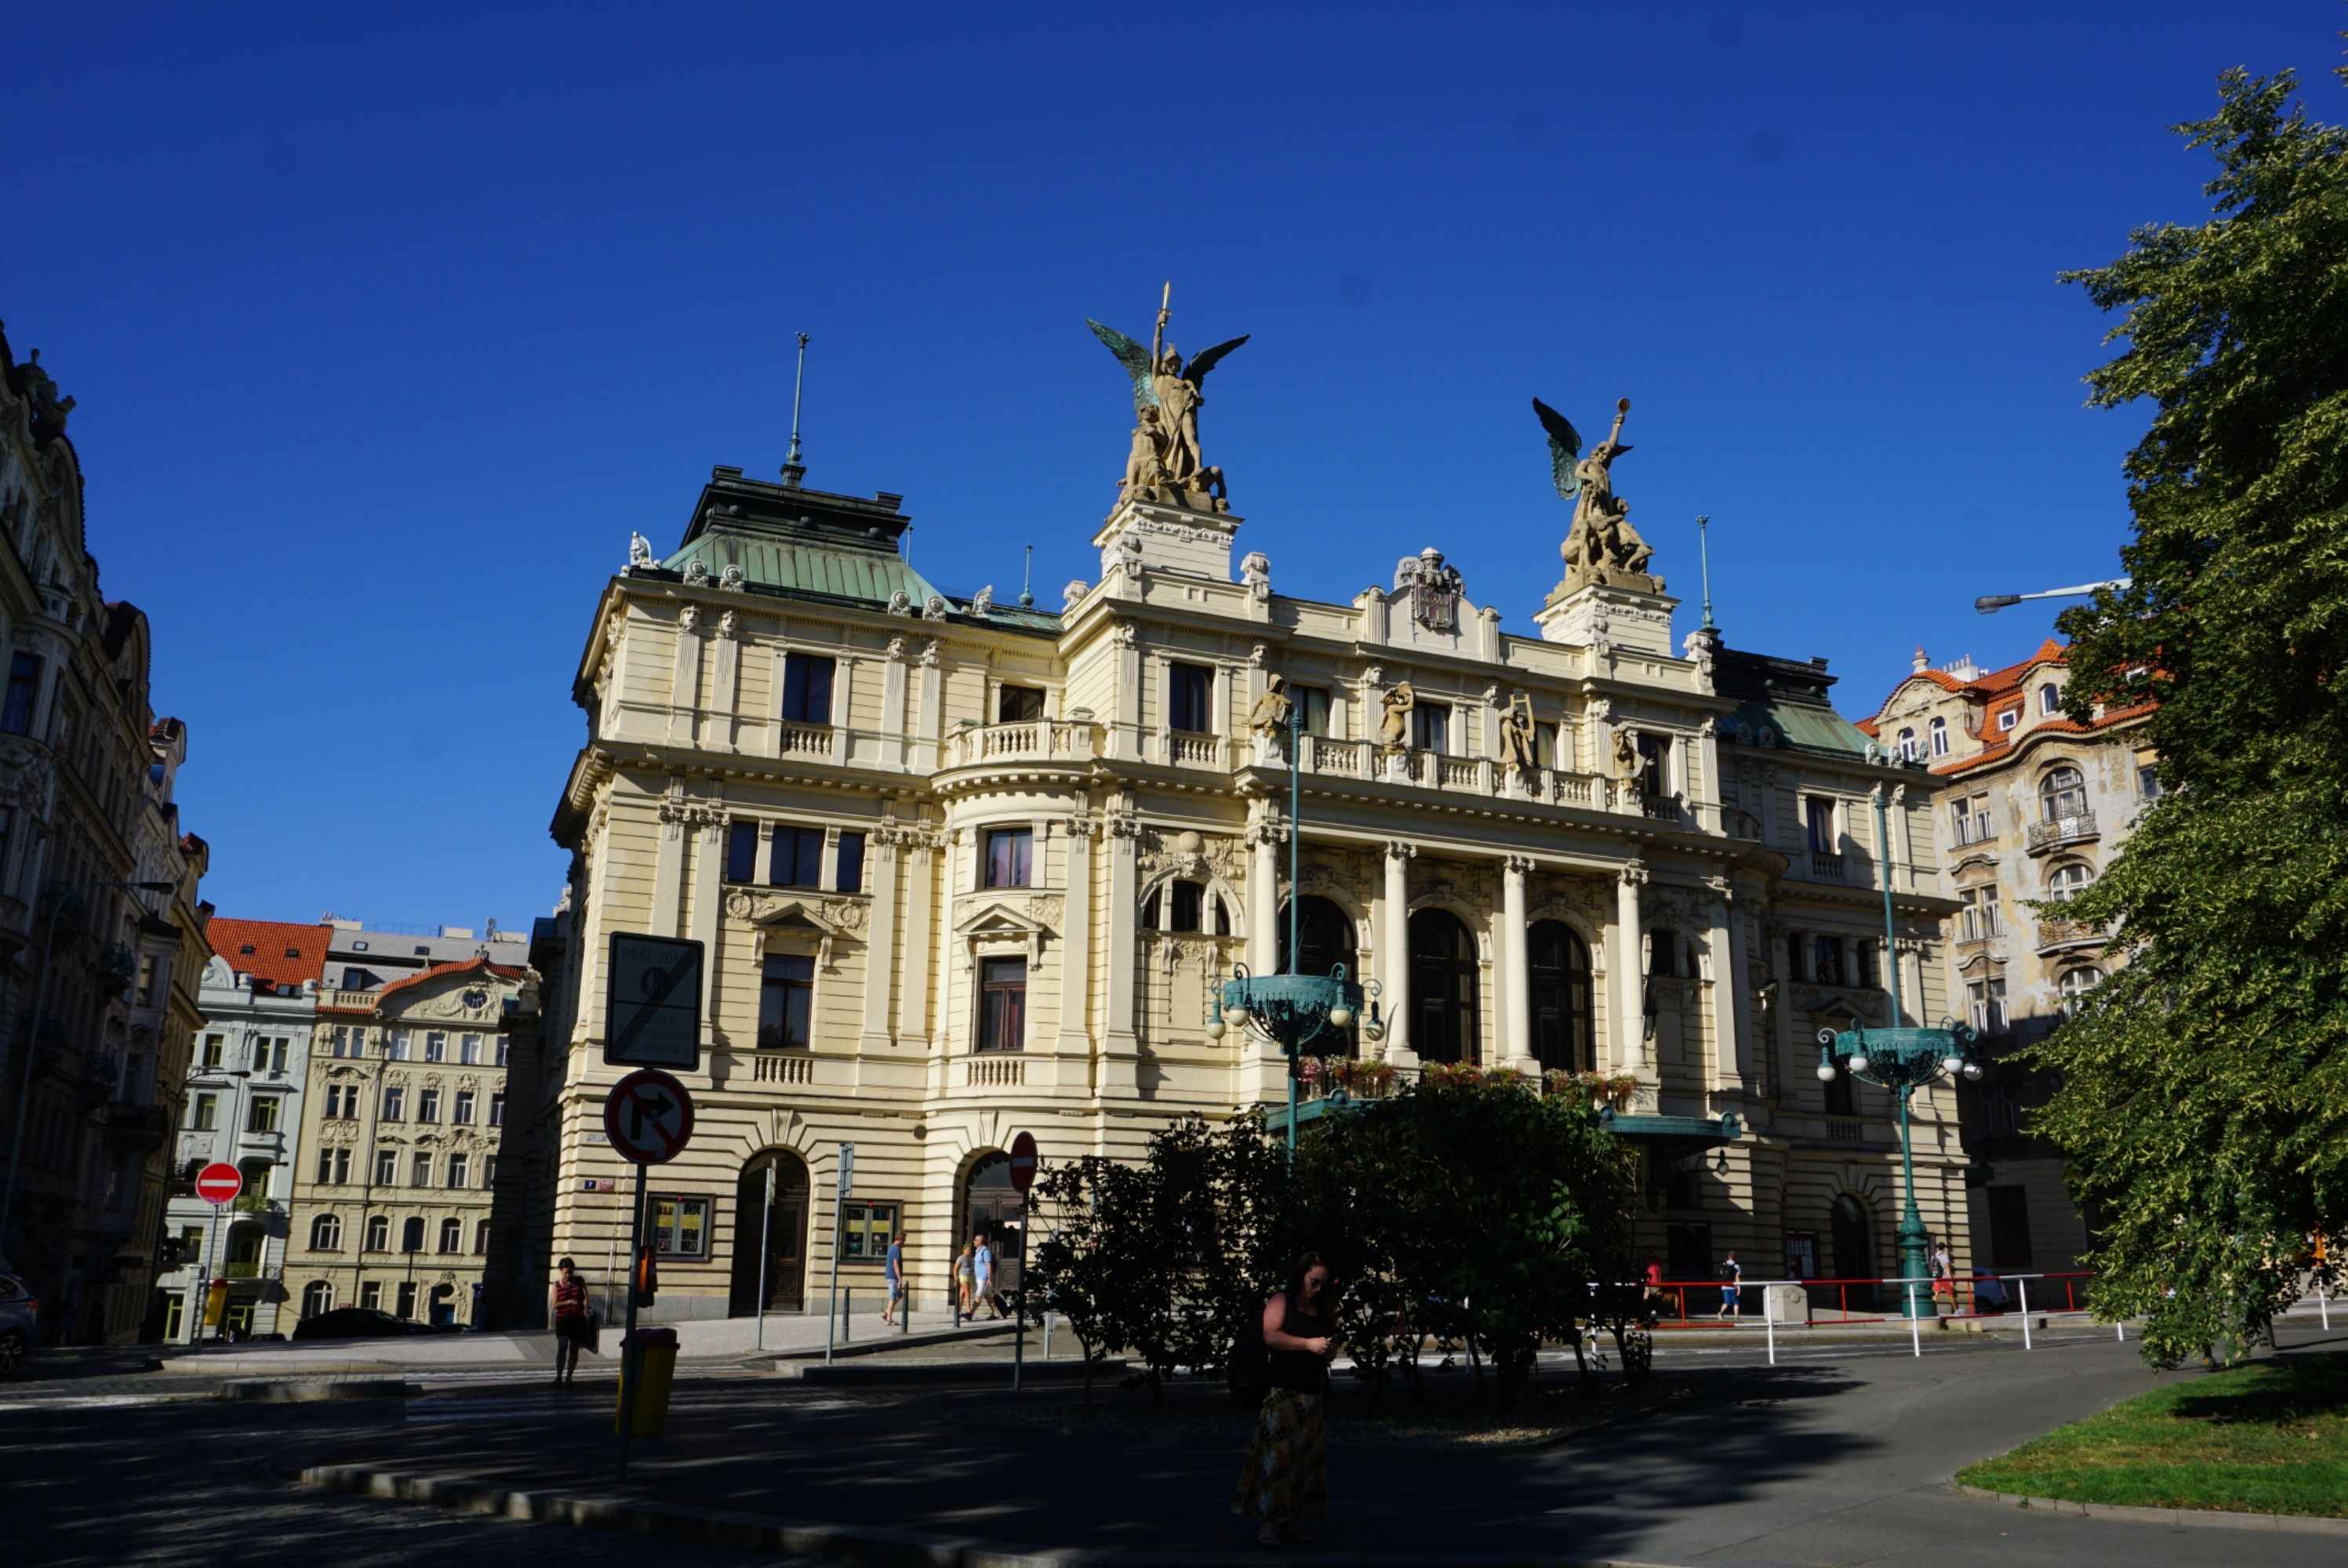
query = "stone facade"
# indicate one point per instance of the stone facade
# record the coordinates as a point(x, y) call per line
point(964, 869)
point(397, 1181)
point(97, 979)
point(2028, 806)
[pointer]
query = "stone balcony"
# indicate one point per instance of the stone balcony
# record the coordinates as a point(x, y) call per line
point(1027, 741)
point(2057, 934)
point(2079, 827)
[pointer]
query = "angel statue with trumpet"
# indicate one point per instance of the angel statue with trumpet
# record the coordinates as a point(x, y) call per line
point(1601, 546)
point(1165, 463)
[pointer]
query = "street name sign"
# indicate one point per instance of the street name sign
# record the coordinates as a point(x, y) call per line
point(652, 1001)
point(846, 1168)
point(649, 1116)
point(218, 1184)
point(1023, 1161)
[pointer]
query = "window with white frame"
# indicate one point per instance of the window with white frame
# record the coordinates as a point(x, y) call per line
point(1986, 999)
point(2068, 880)
point(2063, 793)
point(1909, 749)
point(1939, 731)
point(2050, 698)
point(2074, 984)
point(2007, 720)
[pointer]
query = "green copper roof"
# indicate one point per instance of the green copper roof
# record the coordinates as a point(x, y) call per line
point(804, 565)
point(1785, 699)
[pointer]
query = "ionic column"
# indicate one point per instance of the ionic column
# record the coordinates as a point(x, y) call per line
point(1629, 1002)
point(1516, 974)
point(1394, 952)
point(1264, 895)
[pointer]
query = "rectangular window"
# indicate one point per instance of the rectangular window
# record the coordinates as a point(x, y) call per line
point(24, 692)
point(1842, 1096)
point(1311, 709)
point(277, 1055)
point(459, 1167)
point(1819, 817)
point(394, 1045)
point(406, 1297)
point(1545, 743)
point(741, 852)
point(1862, 954)
point(1018, 705)
point(1987, 1003)
point(420, 1173)
point(796, 858)
point(342, 1167)
point(1430, 728)
point(387, 1167)
point(786, 1002)
point(807, 689)
point(325, 1166)
point(481, 1239)
point(866, 1226)
point(215, 1050)
point(460, 1113)
point(371, 1294)
point(1798, 948)
point(2148, 781)
point(436, 1046)
point(360, 979)
point(499, 1055)
point(1654, 767)
point(1184, 905)
point(1010, 856)
point(497, 1110)
point(468, 1050)
point(1190, 698)
point(147, 976)
point(1826, 960)
point(428, 1105)
point(394, 1103)
point(851, 878)
point(680, 1225)
point(1003, 1004)
point(489, 1171)
point(1801, 1255)
point(260, 1116)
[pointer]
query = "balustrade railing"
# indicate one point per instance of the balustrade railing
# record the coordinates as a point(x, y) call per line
point(2063, 829)
point(1036, 740)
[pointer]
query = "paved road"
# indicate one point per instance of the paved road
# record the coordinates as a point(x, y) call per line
point(1837, 1456)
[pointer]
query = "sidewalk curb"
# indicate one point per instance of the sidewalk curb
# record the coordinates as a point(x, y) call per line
point(885, 1344)
point(2215, 1519)
point(319, 1392)
point(861, 1548)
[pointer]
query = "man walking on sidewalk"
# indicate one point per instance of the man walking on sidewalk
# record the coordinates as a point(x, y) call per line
point(982, 1261)
point(1734, 1272)
point(894, 1272)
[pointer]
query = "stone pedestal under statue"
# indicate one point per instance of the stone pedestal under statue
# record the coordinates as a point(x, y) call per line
point(1610, 610)
point(1151, 536)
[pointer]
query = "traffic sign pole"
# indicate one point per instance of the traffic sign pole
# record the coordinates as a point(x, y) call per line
point(1022, 1176)
point(648, 1116)
point(631, 1360)
point(838, 1224)
point(217, 1184)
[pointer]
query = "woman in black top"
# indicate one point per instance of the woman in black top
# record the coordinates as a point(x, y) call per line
point(1287, 1472)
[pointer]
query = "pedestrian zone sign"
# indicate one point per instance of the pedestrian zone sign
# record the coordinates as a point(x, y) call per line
point(652, 1001)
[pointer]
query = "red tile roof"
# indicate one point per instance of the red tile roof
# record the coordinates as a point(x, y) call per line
point(283, 955)
point(2001, 690)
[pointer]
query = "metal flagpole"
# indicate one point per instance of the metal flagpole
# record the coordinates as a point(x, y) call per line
point(766, 1250)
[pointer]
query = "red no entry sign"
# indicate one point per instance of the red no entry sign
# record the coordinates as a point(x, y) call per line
point(1023, 1160)
point(218, 1183)
point(649, 1116)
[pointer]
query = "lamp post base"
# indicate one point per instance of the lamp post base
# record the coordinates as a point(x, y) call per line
point(1916, 1269)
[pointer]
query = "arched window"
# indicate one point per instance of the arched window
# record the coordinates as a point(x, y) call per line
point(1557, 963)
point(411, 1235)
point(2062, 793)
point(1326, 939)
point(317, 1298)
point(2075, 984)
point(2050, 698)
point(2068, 880)
point(1908, 753)
point(326, 1233)
point(1443, 987)
point(452, 1235)
point(378, 1233)
point(1940, 729)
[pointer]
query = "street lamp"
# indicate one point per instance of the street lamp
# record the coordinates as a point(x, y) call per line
point(1991, 603)
point(1901, 1061)
point(1290, 1010)
point(27, 1041)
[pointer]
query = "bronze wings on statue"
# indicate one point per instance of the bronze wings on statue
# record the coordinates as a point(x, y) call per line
point(1564, 447)
point(1135, 357)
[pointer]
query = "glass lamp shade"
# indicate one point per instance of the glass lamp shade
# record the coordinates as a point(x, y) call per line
point(1214, 1028)
point(1953, 1064)
point(1341, 1016)
point(1374, 1031)
point(1973, 1072)
point(1826, 1072)
point(1236, 1017)
point(1858, 1064)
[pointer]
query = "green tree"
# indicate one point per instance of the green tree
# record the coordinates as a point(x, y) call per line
point(2204, 1087)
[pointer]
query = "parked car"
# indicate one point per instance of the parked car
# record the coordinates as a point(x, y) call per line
point(359, 1323)
point(20, 1314)
point(1989, 1292)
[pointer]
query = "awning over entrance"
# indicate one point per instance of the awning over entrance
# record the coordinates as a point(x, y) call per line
point(1673, 1137)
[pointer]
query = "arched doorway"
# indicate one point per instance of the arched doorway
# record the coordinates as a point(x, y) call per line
point(1325, 938)
point(1443, 987)
point(778, 1235)
point(1558, 979)
point(1854, 1249)
point(992, 1207)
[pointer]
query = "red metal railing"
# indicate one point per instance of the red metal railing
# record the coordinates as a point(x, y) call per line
point(1957, 1297)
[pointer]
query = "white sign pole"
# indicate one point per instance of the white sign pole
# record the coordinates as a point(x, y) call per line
point(2023, 1285)
point(838, 1226)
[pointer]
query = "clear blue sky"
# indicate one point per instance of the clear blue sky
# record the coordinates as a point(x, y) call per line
point(387, 325)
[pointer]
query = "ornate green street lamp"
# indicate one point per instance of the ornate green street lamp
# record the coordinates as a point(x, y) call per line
point(1290, 1010)
point(1901, 1061)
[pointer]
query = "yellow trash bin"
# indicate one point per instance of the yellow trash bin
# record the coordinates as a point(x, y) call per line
point(656, 1355)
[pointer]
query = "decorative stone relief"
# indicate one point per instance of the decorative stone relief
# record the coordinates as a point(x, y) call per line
point(929, 654)
point(725, 624)
point(935, 609)
point(696, 574)
point(982, 603)
point(730, 579)
point(688, 617)
point(900, 603)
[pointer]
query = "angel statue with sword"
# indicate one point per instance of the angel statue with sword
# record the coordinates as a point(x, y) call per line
point(1601, 541)
point(1166, 403)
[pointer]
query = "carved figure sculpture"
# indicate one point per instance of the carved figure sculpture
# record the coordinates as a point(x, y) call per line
point(1627, 760)
point(1075, 589)
point(1393, 726)
point(696, 574)
point(982, 603)
point(47, 411)
point(934, 608)
point(730, 579)
point(1165, 462)
point(640, 549)
point(1255, 571)
point(1269, 715)
point(1516, 735)
point(1601, 546)
point(900, 603)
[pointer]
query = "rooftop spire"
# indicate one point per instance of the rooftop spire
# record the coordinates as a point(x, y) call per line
point(1703, 551)
point(793, 469)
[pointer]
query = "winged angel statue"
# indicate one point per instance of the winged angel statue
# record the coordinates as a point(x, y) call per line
point(1164, 463)
point(1601, 546)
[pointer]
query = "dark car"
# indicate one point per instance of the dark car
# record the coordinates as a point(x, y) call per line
point(1989, 1292)
point(20, 1314)
point(358, 1323)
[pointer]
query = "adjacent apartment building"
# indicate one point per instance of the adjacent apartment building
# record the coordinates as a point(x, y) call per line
point(243, 1107)
point(964, 868)
point(398, 1173)
point(102, 937)
point(2029, 806)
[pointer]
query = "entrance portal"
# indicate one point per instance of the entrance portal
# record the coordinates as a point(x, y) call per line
point(992, 1205)
point(783, 1228)
point(1854, 1252)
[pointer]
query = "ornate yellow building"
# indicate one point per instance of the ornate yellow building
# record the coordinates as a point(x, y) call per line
point(965, 870)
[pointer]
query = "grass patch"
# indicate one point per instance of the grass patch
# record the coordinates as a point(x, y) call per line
point(2269, 1438)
